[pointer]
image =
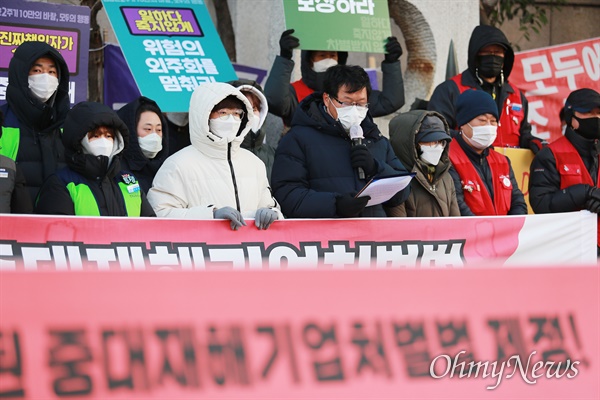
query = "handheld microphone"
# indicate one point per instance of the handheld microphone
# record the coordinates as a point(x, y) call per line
point(356, 135)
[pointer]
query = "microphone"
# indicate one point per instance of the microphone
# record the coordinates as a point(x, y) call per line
point(356, 135)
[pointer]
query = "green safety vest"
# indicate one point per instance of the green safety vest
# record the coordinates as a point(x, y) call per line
point(9, 142)
point(86, 205)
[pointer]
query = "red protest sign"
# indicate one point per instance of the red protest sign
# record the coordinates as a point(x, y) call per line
point(549, 74)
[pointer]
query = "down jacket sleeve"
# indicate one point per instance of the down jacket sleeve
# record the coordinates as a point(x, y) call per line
point(545, 195)
point(391, 96)
point(168, 195)
point(280, 94)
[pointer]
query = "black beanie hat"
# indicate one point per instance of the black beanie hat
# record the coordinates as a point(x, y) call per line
point(581, 100)
point(473, 103)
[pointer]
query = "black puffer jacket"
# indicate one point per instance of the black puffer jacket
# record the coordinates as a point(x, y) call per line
point(133, 159)
point(283, 100)
point(545, 195)
point(428, 198)
point(40, 152)
point(312, 164)
point(443, 99)
point(99, 173)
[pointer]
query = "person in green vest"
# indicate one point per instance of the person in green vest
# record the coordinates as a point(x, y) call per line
point(37, 102)
point(93, 183)
point(13, 194)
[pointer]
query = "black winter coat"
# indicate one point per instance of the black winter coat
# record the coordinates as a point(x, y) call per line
point(312, 164)
point(95, 171)
point(40, 151)
point(443, 99)
point(133, 159)
point(283, 100)
point(545, 195)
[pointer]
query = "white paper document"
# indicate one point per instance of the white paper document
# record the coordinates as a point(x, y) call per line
point(382, 189)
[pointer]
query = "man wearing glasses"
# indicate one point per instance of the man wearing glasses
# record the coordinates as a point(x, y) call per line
point(490, 63)
point(318, 169)
point(214, 177)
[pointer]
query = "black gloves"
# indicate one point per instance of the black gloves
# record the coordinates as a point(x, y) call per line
point(360, 156)
point(350, 206)
point(536, 144)
point(393, 50)
point(593, 202)
point(287, 43)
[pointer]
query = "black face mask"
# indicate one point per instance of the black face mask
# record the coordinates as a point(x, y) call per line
point(490, 66)
point(589, 128)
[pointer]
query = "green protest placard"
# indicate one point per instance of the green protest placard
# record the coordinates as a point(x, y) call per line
point(339, 25)
point(170, 47)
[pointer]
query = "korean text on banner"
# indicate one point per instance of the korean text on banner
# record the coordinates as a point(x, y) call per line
point(170, 48)
point(339, 25)
point(36, 243)
point(64, 27)
point(522, 333)
point(548, 75)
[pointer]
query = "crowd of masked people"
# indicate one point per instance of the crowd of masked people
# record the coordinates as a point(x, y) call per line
point(213, 162)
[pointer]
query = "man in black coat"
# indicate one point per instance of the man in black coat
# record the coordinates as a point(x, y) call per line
point(37, 99)
point(283, 96)
point(490, 63)
point(315, 173)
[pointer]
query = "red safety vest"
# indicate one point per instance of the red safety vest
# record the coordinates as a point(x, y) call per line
point(301, 90)
point(475, 191)
point(571, 168)
point(512, 115)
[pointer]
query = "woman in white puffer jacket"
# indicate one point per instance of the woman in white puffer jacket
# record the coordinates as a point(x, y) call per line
point(214, 177)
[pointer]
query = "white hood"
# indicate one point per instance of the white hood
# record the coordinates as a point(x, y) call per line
point(264, 106)
point(204, 99)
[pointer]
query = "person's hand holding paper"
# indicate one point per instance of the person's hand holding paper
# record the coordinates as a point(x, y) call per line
point(380, 190)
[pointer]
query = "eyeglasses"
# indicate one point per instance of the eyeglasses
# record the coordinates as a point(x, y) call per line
point(225, 113)
point(344, 104)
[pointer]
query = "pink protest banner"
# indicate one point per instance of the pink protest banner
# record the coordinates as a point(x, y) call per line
point(455, 334)
point(549, 74)
point(37, 243)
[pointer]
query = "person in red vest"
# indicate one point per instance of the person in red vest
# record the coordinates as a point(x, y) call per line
point(283, 97)
point(490, 63)
point(564, 177)
point(484, 179)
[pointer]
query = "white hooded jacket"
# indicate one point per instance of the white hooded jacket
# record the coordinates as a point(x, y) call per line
point(211, 173)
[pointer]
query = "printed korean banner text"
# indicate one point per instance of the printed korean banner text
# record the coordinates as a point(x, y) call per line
point(35, 243)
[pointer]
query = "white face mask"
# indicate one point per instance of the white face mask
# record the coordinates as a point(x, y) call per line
point(431, 154)
point(97, 147)
point(150, 144)
point(349, 116)
point(43, 86)
point(322, 65)
point(256, 123)
point(483, 136)
point(226, 129)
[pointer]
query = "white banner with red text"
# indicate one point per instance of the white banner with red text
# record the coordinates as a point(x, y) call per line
point(35, 243)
